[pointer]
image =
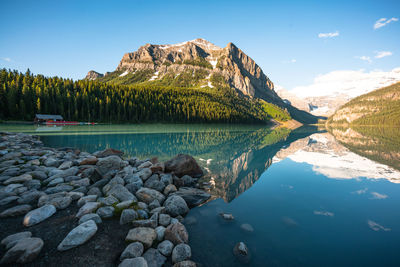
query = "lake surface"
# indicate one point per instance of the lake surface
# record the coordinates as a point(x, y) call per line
point(313, 197)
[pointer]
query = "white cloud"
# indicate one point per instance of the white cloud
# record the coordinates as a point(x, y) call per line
point(328, 35)
point(293, 60)
point(376, 195)
point(365, 58)
point(381, 54)
point(383, 22)
point(361, 191)
point(6, 59)
point(350, 83)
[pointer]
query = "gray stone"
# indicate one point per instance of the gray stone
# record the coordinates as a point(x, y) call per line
point(176, 233)
point(59, 188)
point(169, 189)
point(24, 251)
point(144, 174)
point(176, 205)
point(241, 252)
point(52, 162)
point(188, 180)
point(146, 164)
point(135, 262)
point(60, 200)
point(142, 214)
point(107, 201)
point(227, 216)
point(16, 211)
point(33, 184)
point(183, 165)
point(78, 236)
point(127, 216)
point(95, 191)
point(153, 182)
point(105, 212)
point(81, 182)
point(145, 235)
point(75, 195)
point(65, 165)
point(148, 195)
point(185, 264)
point(154, 204)
point(19, 179)
point(8, 200)
point(164, 219)
point(38, 215)
point(133, 250)
point(165, 248)
point(124, 204)
point(160, 231)
point(90, 216)
point(154, 258)
point(11, 240)
point(109, 163)
point(121, 193)
point(40, 175)
point(11, 188)
point(152, 222)
point(181, 252)
point(89, 207)
point(114, 181)
point(83, 200)
point(166, 179)
point(56, 181)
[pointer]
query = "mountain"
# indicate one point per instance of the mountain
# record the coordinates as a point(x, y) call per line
point(379, 107)
point(198, 64)
point(331, 90)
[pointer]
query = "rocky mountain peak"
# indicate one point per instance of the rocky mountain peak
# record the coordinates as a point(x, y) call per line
point(93, 75)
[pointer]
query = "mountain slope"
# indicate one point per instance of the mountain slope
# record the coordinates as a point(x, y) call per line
point(198, 64)
point(379, 107)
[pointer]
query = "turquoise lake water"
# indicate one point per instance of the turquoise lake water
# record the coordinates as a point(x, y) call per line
point(311, 200)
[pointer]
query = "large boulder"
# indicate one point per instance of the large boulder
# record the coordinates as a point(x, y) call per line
point(154, 258)
point(121, 193)
point(148, 195)
point(175, 206)
point(181, 252)
point(78, 235)
point(193, 196)
point(183, 164)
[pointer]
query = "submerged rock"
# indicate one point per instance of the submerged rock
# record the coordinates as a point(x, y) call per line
point(241, 252)
point(247, 227)
point(193, 196)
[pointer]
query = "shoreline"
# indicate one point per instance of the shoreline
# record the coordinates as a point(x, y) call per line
point(69, 205)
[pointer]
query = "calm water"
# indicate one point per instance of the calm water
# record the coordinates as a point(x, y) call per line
point(313, 198)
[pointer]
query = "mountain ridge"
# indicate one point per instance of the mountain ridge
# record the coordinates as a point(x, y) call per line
point(196, 64)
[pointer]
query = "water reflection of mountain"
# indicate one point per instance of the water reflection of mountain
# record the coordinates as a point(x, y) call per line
point(334, 160)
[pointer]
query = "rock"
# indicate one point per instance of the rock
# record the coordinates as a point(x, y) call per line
point(11, 188)
point(144, 174)
point(183, 164)
point(154, 204)
point(11, 240)
point(188, 180)
point(193, 196)
point(154, 258)
point(105, 212)
point(176, 205)
point(169, 189)
point(95, 191)
point(127, 216)
point(24, 251)
point(16, 211)
point(160, 231)
point(152, 222)
point(59, 188)
point(121, 193)
point(109, 163)
point(59, 200)
point(52, 162)
point(166, 178)
point(133, 250)
point(19, 179)
point(145, 235)
point(9, 200)
point(40, 175)
point(124, 205)
point(164, 219)
point(33, 184)
point(146, 164)
point(135, 262)
point(78, 235)
point(90, 216)
point(95, 175)
point(108, 152)
point(56, 181)
point(89, 161)
point(81, 182)
point(114, 181)
point(89, 207)
point(227, 216)
point(83, 200)
point(165, 248)
point(247, 227)
point(185, 264)
point(142, 214)
point(153, 182)
point(75, 195)
point(38, 215)
point(181, 252)
point(158, 167)
point(107, 201)
point(177, 233)
point(241, 252)
point(148, 195)
point(65, 165)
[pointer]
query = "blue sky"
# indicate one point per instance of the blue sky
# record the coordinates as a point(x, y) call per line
point(69, 38)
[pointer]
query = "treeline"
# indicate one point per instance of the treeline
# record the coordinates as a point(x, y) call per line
point(24, 95)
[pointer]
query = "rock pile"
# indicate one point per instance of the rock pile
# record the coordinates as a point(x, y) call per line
point(37, 181)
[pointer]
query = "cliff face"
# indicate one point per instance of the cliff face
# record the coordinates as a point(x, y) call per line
point(93, 75)
point(239, 70)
